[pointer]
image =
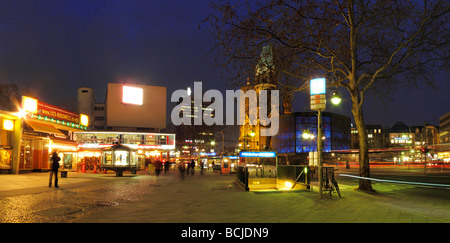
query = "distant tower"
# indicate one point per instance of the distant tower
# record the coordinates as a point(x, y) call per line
point(265, 79)
point(86, 102)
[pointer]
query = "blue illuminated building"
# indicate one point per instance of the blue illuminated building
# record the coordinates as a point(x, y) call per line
point(290, 139)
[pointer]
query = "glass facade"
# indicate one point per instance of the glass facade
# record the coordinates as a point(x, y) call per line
point(308, 124)
point(291, 139)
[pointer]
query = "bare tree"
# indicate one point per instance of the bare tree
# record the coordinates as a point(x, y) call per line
point(360, 45)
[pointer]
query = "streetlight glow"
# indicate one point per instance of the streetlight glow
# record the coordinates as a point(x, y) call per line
point(335, 99)
point(306, 135)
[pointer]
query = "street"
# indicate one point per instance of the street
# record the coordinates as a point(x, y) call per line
point(214, 198)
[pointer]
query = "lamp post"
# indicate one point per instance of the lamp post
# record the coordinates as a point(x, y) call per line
point(318, 102)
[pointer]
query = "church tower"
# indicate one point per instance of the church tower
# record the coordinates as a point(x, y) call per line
point(265, 79)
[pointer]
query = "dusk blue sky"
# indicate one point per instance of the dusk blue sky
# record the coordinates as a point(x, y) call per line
point(55, 47)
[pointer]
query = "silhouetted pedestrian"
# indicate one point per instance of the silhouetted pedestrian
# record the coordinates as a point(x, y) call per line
point(158, 166)
point(166, 166)
point(201, 167)
point(54, 169)
point(192, 167)
point(181, 169)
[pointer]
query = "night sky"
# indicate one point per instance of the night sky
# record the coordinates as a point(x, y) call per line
point(55, 47)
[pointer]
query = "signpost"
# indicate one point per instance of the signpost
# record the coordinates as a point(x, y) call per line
point(318, 103)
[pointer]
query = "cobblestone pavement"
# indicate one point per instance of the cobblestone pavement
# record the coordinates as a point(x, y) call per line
point(209, 198)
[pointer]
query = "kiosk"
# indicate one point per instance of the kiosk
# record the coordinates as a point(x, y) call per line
point(119, 158)
point(229, 165)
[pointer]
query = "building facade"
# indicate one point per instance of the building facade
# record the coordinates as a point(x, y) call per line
point(149, 147)
point(195, 141)
point(131, 108)
point(132, 115)
point(377, 136)
point(38, 129)
point(444, 128)
point(297, 136)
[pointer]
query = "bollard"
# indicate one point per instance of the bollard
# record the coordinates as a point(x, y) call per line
point(83, 168)
point(95, 169)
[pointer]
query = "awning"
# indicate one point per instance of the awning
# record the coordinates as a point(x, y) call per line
point(39, 127)
point(63, 145)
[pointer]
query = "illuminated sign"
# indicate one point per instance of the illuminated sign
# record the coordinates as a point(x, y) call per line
point(318, 93)
point(44, 111)
point(263, 154)
point(317, 86)
point(132, 95)
point(50, 111)
point(84, 120)
point(29, 104)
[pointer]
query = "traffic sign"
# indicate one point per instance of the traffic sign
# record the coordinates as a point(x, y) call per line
point(318, 94)
point(318, 102)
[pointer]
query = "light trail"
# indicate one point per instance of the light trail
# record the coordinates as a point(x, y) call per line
point(392, 181)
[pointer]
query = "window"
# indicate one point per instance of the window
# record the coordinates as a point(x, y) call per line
point(309, 123)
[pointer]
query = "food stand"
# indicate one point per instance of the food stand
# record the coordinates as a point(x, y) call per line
point(119, 158)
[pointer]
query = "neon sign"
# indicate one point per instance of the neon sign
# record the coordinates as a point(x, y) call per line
point(262, 154)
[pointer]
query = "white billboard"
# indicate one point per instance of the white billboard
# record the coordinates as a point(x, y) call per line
point(136, 106)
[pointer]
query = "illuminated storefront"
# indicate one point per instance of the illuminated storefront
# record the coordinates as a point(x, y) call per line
point(120, 158)
point(46, 128)
point(149, 147)
point(9, 138)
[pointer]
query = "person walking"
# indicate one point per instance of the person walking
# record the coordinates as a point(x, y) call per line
point(166, 166)
point(181, 169)
point(201, 167)
point(54, 169)
point(158, 167)
point(192, 167)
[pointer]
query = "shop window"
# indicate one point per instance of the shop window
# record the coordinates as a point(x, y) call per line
point(5, 158)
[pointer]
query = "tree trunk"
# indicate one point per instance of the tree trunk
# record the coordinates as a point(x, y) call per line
point(364, 168)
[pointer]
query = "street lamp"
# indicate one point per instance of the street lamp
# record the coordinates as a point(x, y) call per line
point(306, 134)
point(335, 98)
